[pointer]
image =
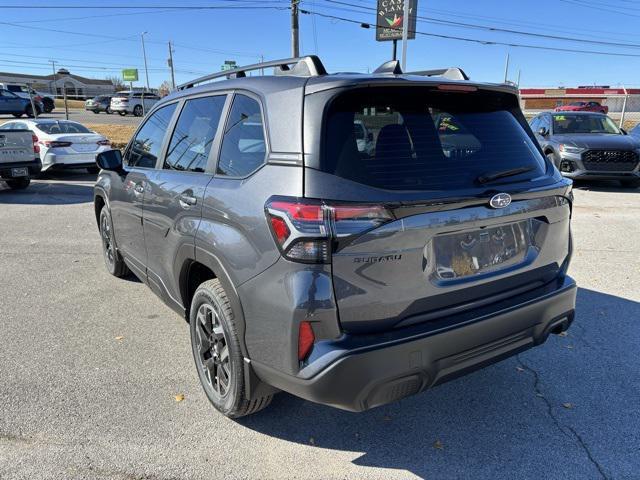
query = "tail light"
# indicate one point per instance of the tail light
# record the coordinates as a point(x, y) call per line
point(38, 98)
point(306, 338)
point(308, 230)
point(104, 142)
point(36, 147)
point(54, 144)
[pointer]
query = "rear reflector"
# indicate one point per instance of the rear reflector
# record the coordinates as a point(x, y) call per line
point(305, 340)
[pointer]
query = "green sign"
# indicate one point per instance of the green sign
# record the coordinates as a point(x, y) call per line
point(130, 74)
point(228, 65)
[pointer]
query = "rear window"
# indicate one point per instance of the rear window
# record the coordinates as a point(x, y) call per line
point(422, 139)
point(62, 127)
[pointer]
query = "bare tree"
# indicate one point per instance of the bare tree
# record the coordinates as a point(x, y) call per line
point(164, 89)
point(117, 82)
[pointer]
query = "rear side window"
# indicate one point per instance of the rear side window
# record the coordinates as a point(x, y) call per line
point(243, 146)
point(147, 143)
point(194, 133)
point(424, 139)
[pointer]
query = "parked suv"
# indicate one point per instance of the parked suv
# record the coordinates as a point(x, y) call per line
point(589, 146)
point(348, 277)
point(134, 102)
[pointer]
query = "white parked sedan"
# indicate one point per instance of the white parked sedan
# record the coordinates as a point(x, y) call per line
point(63, 143)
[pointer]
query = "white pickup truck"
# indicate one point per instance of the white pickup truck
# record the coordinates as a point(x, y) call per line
point(19, 158)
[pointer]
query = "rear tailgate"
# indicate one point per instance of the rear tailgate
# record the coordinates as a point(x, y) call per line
point(439, 157)
point(16, 146)
point(438, 263)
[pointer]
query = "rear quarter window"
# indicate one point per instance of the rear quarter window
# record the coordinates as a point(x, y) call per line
point(423, 139)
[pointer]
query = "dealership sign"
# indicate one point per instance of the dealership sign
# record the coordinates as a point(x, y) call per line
point(390, 17)
point(130, 74)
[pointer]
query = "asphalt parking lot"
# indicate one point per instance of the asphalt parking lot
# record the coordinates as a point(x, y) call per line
point(90, 367)
point(84, 116)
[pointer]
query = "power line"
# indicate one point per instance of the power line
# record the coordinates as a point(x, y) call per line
point(433, 20)
point(475, 40)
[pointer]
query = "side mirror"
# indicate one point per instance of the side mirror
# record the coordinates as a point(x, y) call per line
point(110, 160)
point(543, 131)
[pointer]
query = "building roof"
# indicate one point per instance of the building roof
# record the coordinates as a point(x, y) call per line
point(562, 91)
point(85, 80)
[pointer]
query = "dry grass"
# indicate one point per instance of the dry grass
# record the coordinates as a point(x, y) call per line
point(118, 134)
point(59, 103)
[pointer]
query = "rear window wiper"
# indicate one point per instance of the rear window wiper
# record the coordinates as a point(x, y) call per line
point(490, 177)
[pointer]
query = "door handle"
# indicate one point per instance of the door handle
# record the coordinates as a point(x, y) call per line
point(187, 201)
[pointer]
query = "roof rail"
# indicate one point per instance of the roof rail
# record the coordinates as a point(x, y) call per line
point(309, 66)
point(451, 73)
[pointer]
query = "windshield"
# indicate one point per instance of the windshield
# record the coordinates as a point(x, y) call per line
point(578, 104)
point(570, 124)
point(427, 140)
point(54, 128)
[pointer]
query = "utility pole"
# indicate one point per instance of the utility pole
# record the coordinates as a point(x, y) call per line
point(144, 55)
point(518, 82)
point(506, 68)
point(295, 40)
point(55, 78)
point(405, 34)
point(173, 76)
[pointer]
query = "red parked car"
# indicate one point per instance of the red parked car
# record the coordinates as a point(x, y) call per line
point(583, 107)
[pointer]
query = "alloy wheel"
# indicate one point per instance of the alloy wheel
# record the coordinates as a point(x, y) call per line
point(107, 241)
point(213, 349)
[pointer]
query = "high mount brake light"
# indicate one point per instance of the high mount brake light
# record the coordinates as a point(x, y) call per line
point(457, 88)
point(305, 230)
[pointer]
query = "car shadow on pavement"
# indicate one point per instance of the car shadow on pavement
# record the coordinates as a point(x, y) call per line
point(54, 188)
point(603, 186)
point(510, 420)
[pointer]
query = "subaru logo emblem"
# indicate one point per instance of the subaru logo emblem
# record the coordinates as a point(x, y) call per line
point(501, 200)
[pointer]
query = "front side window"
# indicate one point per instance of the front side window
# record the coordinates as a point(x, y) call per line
point(243, 146)
point(146, 145)
point(194, 134)
point(423, 139)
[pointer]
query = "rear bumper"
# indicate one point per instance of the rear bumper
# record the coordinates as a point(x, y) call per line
point(356, 376)
point(34, 167)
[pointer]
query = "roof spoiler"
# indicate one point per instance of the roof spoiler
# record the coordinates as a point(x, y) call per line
point(392, 67)
point(309, 66)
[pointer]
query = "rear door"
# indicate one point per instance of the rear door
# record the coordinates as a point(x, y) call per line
point(433, 245)
point(10, 103)
point(174, 198)
point(129, 189)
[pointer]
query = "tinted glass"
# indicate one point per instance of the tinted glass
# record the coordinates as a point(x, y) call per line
point(427, 140)
point(146, 146)
point(535, 125)
point(243, 146)
point(194, 133)
point(570, 124)
point(54, 128)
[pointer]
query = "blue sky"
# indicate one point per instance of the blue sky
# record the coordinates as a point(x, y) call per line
point(110, 39)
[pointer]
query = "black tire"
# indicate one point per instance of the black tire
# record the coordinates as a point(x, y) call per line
point(29, 111)
point(217, 354)
point(112, 258)
point(108, 111)
point(634, 183)
point(18, 183)
point(93, 170)
point(17, 115)
point(95, 111)
point(138, 111)
point(49, 105)
point(122, 114)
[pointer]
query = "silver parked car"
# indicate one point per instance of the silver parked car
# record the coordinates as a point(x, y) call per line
point(134, 102)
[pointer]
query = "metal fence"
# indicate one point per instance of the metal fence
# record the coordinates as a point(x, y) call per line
point(623, 108)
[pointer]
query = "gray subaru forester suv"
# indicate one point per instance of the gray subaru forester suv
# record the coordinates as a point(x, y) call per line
point(348, 276)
